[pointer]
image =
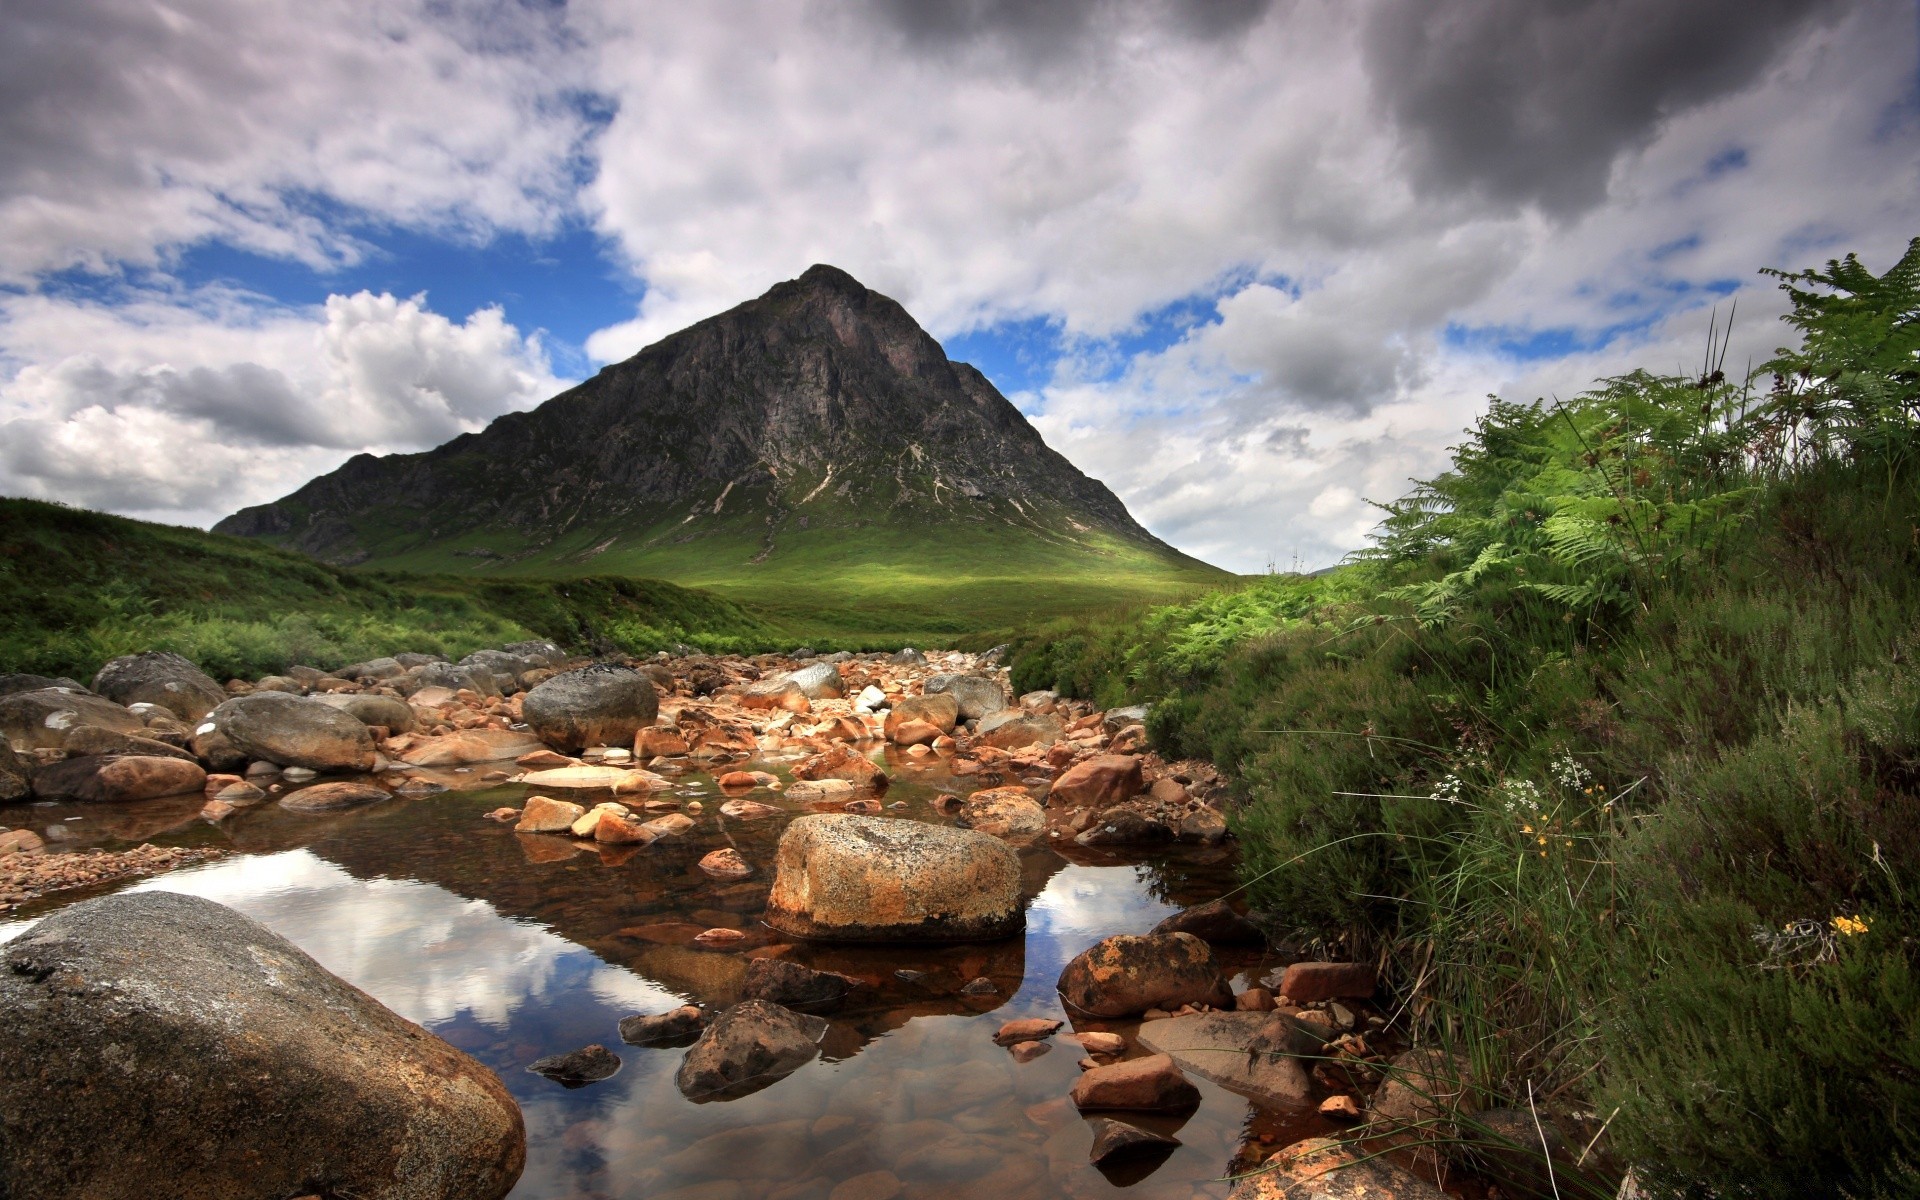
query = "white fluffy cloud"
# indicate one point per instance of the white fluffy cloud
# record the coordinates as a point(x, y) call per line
point(1371, 205)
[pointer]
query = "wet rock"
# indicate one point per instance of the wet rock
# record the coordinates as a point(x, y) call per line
point(1098, 1042)
point(1203, 826)
point(246, 1067)
point(20, 841)
point(1026, 1029)
point(1308, 982)
point(1098, 783)
point(670, 825)
point(725, 863)
point(815, 790)
point(978, 695)
point(389, 712)
point(775, 693)
point(747, 810)
point(601, 705)
point(615, 779)
point(620, 829)
point(657, 742)
point(841, 762)
point(333, 797)
point(793, 986)
point(1007, 812)
point(43, 718)
point(749, 1046)
point(578, 1068)
point(914, 734)
point(939, 711)
point(675, 1028)
point(1324, 1169)
point(90, 741)
point(1015, 730)
point(850, 878)
point(1125, 826)
point(117, 780)
point(157, 677)
point(1152, 1084)
point(1424, 1089)
point(294, 731)
point(1026, 1052)
point(1125, 975)
point(446, 675)
point(1216, 924)
point(1217, 1046)
point(1114, 1141)
point(545, 815)
point(819, 681)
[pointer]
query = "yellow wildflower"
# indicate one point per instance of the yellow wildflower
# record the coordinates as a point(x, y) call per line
point(1850, 926)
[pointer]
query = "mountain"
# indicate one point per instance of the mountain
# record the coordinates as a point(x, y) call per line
point(808, 441)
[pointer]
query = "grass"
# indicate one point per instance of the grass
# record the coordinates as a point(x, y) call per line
point(1609, 752)
point(77, 588)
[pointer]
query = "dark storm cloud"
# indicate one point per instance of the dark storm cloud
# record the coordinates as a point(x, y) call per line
point(1530, 101)
point(1059, 28)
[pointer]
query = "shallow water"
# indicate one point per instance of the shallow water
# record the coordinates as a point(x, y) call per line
point(514, 947)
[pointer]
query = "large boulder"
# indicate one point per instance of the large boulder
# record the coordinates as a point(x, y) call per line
point(333, 797)
point(1217, 923)
point(115, 780)
point(542, 653)
point(1125, 975)
point(819, 681)
point(9, 684)
point(447, 675)
point(940, 711)
point(1097, 783)
point(1011, 729)
point(748, 1047)
point(839, 877)
point(91, 740)
point(43, 718)
point(293, 731)
point(978, 695)
point(840, 762)
point(601, 705)
point(157, 677)
point(1004, 812)
point(246, 1069)
point(390, 712)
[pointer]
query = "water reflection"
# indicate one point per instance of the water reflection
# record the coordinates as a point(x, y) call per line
point(513, 954)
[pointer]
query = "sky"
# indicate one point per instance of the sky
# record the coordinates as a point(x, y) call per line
point(1252, 263)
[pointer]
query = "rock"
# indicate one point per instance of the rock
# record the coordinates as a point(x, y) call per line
point(870, 699)
point(1340, 1108)
point(1026, 1052)
point(1123, 976)
point(868, 1185)
point(1202, 825)
point(775, 693)
point(614, 779)
point(91, 740)
point(1044, 701)
point(9, 684)
point(841, 762)
point(1116, 719)
point(1152, 1084)
point(246, 1067)
point(656, 742)
point(1114, 1141)
point(42, 719)
point(813, 790)
point(819, 681)
point(332, 797)
point(157, 677)
point(1124, 826)
point(544, 759)
point(1014, 730)
point(620, 829)
point(578, 1068)
point(1216, 923)
point(1309, 982)
point(1096, 1042)
point(1026, 1029)
point(848, 878)
point(294, 731)
point(389, 712)
point(1007, 812)
point(1324, 1169)
point(1424, 1088)
point(1217, 1046)
point(749, 1046)
point(1254, 999)
point(15, 775)
point(907, 656)
point(240, 794)
point(793, 986)
point(545, 815)
point(725, 863)
point(939, 711)
point(117, 780)
point(678, 1027)
point(1098, 783)
point(718, 937)
point(20, 841)
point(747, 810)
point(601, 705)
point(446, 675)
point(917, 734)
point(1131, 740)
point(671, 825)
point(978, 695)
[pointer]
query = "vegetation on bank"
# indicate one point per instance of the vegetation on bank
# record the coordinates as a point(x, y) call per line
point(78, 588)
point(1608, 750)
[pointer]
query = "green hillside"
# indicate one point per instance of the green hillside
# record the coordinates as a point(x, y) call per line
point(78, 587)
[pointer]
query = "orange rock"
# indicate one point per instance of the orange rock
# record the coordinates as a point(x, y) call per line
point(1153, 1084)
point(840, 762)
point(737, 779)
point(657, 742)
point(1098, 783)
point(621, 830)
point(914, 733)
point(726, 863)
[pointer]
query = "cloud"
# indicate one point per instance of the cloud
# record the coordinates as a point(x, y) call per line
point(1532, 103)
point(194, 406)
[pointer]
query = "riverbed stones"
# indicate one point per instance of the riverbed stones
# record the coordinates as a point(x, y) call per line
point(389, 712)
point(794, 986)
point(859, 879)
point(1151, 1084)
point(819, 681)
point(748, 1047)
point(44, 717)
point(91, 741)
point(677, 1027)
point(977, 695)
point(841, 762)
point(577, 1068)
point(1097, 783)
point(1012, 729)
point(1026, 1029)
point(334, 797)
point(939, 711)
point(246, 1068)
point(1308, 982)
point(1326, 1169)
point(543, 814)
point(601, 705)
point(725, 863)
point(1216, 1046)
point(1126, 975)
point(293, 731)
point(464, 747)
point(157, 677)
point(1006, 812)
point(118, 780)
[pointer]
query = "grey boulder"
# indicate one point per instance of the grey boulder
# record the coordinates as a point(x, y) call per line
point(292, 731)
point(819, 681)
point(978, 695)
point(395, 715)
point(748, 1047)
point(601, 705)
point(157, 677)
point(246, 1068)
point(44, 718)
